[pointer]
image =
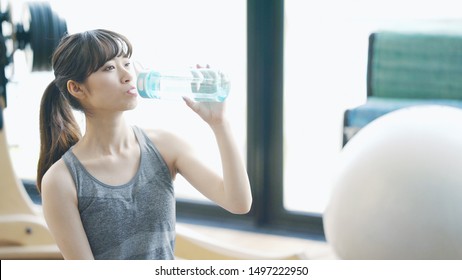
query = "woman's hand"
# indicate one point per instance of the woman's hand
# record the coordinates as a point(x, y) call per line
point(211, 112)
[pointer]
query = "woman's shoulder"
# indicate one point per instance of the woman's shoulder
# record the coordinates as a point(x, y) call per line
point(170, 145)
point(58, 178)
point(165, 139)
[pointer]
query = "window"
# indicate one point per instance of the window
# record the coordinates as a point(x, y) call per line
point(325, 63)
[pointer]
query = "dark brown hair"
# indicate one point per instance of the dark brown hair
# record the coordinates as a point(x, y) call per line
point(76, 57)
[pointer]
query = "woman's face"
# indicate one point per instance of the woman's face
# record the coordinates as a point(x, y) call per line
point(112, 87)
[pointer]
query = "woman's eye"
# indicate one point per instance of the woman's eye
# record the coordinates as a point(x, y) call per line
point(108, 68)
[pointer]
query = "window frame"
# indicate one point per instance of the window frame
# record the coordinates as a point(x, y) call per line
point(265, 48)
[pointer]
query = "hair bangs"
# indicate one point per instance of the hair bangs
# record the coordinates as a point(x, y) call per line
point(104, 45)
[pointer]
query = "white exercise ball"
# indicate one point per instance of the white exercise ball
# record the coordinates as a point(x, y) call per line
point(397, 192)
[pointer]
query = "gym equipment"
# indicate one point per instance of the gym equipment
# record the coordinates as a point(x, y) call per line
point(406, 69)
point(38, 34)
point(23, 231)
point(194, 245)
point(398, 188)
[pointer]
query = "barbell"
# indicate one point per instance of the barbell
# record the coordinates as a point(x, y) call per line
point(38, 34)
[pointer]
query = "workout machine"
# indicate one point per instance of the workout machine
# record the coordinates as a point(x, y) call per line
point(23, 231)
point(37, 35)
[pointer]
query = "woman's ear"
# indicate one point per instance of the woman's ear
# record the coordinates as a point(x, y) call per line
point(75, 89)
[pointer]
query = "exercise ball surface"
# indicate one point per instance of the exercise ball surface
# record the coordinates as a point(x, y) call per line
point(397, 191)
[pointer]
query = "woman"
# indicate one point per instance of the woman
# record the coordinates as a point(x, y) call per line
point(109, 194)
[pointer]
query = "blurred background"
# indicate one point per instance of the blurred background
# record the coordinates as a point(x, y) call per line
point(313, 67)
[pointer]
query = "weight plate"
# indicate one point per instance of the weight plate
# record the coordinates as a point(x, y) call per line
point(36, 34)
point(50, 39)
point(45, 32)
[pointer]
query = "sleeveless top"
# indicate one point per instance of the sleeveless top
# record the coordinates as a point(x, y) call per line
point(135, 220)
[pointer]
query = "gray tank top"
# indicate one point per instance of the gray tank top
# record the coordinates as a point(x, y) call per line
point(132, 221)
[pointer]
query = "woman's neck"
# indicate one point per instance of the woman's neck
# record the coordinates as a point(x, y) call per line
point(106, 136)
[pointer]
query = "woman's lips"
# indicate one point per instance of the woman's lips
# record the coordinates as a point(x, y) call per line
point(132, 91)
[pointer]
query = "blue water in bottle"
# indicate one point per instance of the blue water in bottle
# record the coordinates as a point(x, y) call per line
point(200, 84)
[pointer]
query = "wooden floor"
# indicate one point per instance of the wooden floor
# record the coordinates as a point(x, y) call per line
point(264, 244)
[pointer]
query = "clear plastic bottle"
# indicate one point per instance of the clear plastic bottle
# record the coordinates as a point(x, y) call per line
point(200, 84)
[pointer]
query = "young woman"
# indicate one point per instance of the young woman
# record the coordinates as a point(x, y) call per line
point(109, 194)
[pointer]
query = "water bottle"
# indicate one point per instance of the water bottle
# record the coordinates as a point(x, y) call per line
point(200, 84)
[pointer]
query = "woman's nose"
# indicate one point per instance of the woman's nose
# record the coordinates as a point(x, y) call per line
point(127, 75)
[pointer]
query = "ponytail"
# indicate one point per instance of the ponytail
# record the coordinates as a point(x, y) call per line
point(58, 129)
